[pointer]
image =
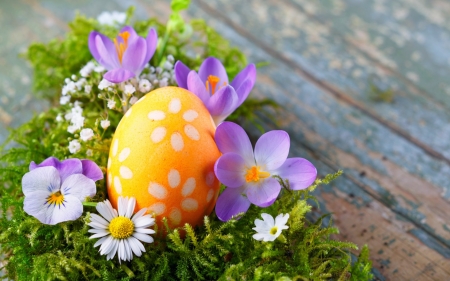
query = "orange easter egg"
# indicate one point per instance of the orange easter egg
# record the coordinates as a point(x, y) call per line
point(163, 154)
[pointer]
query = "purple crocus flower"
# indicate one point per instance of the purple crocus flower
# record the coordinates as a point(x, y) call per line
point(249, 176)
point(54, 190)
point(211, 85)
point(126, 56)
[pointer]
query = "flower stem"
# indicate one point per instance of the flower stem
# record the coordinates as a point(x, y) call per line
point(90, 204)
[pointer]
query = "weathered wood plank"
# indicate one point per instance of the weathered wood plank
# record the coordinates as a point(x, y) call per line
point(345, 71)
point(318, 116)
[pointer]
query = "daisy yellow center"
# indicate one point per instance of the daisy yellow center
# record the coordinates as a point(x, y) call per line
point(255, 174)
point(212, 82)
point(55, 198)
point(121, 47)
point(121, 227)
point(273, 230)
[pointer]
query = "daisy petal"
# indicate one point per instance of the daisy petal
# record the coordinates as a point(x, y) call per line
point(130, 207)
point(143, 237)
point(134, 245)
point(272, 149)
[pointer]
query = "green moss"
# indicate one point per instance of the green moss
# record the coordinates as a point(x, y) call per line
point(214, 251)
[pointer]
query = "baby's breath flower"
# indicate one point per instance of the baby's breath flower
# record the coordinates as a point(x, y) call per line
point(64, 100)
point(163, 82)
point(89, 152)
point(133, 100)
point(111, 104)
point(99, 69)
point(87, 89)
point(104, 84)
point(59, 118)
point(129, 89)
point(72, 129)
point(144, 86)
point(170, 58)
point(74, 146)
point(167, 65)
point(112, 18)
point(87, 69)
point(105, 124)
point(86, 134)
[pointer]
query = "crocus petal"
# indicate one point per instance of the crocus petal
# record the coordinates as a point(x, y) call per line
point(91, 170)
point(108, 59)
point(134, 56)
point(300, 172)
point(213, 66)
point(78, 186)
point(108, 44)
point(230, 170)
point(181, 75)
point(230, 137)
point(243, 91)
point(196, 86)
point(264, 193)
point(118, 75)
point(231, 202)
point(41, 179)
point(71, 209)
point(222, 103)
point(272, 149)
point(152, 42)
point(248, 73)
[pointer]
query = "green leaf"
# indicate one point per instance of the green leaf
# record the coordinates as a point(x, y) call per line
point(179, 5)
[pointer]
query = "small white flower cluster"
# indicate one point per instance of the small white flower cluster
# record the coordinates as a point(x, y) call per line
point(158, 77)
point(112, 18)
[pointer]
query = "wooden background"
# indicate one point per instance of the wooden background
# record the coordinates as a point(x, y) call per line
point(325, 60)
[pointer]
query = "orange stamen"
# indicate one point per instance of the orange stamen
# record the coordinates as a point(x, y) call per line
point(254, 174)
point(212, 80)
point(121, 47)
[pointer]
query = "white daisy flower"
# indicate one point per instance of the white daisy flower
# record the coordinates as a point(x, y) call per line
point(119, 231)
point(268, 229)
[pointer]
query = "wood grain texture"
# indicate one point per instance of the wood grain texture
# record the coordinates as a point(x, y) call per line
point(324, 56)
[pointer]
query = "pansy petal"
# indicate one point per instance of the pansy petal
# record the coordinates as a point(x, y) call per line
point(69, 167)
point(152, 42)
point(222, 103)
point(231, 202)
point(108, 59)
point(35, 205)
point(78, 186)
point(118, 75)
point(230, 170)
point(300, 172)
point(41, 179)
point(272, 149)
point(71, 209)
point(91, 170)
point(230, 137)
point(213, 66)
point(196, 86)
point(51, 161)
point(134, 56)
point(181, 74)
point(263, 193)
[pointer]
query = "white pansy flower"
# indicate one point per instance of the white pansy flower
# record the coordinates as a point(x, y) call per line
point(53, 197)
point(86, 134)
point(129, 89)
point(269, 229)
point(119, 232)
point(144, 86)
point(74, 146)
point(105, 124)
